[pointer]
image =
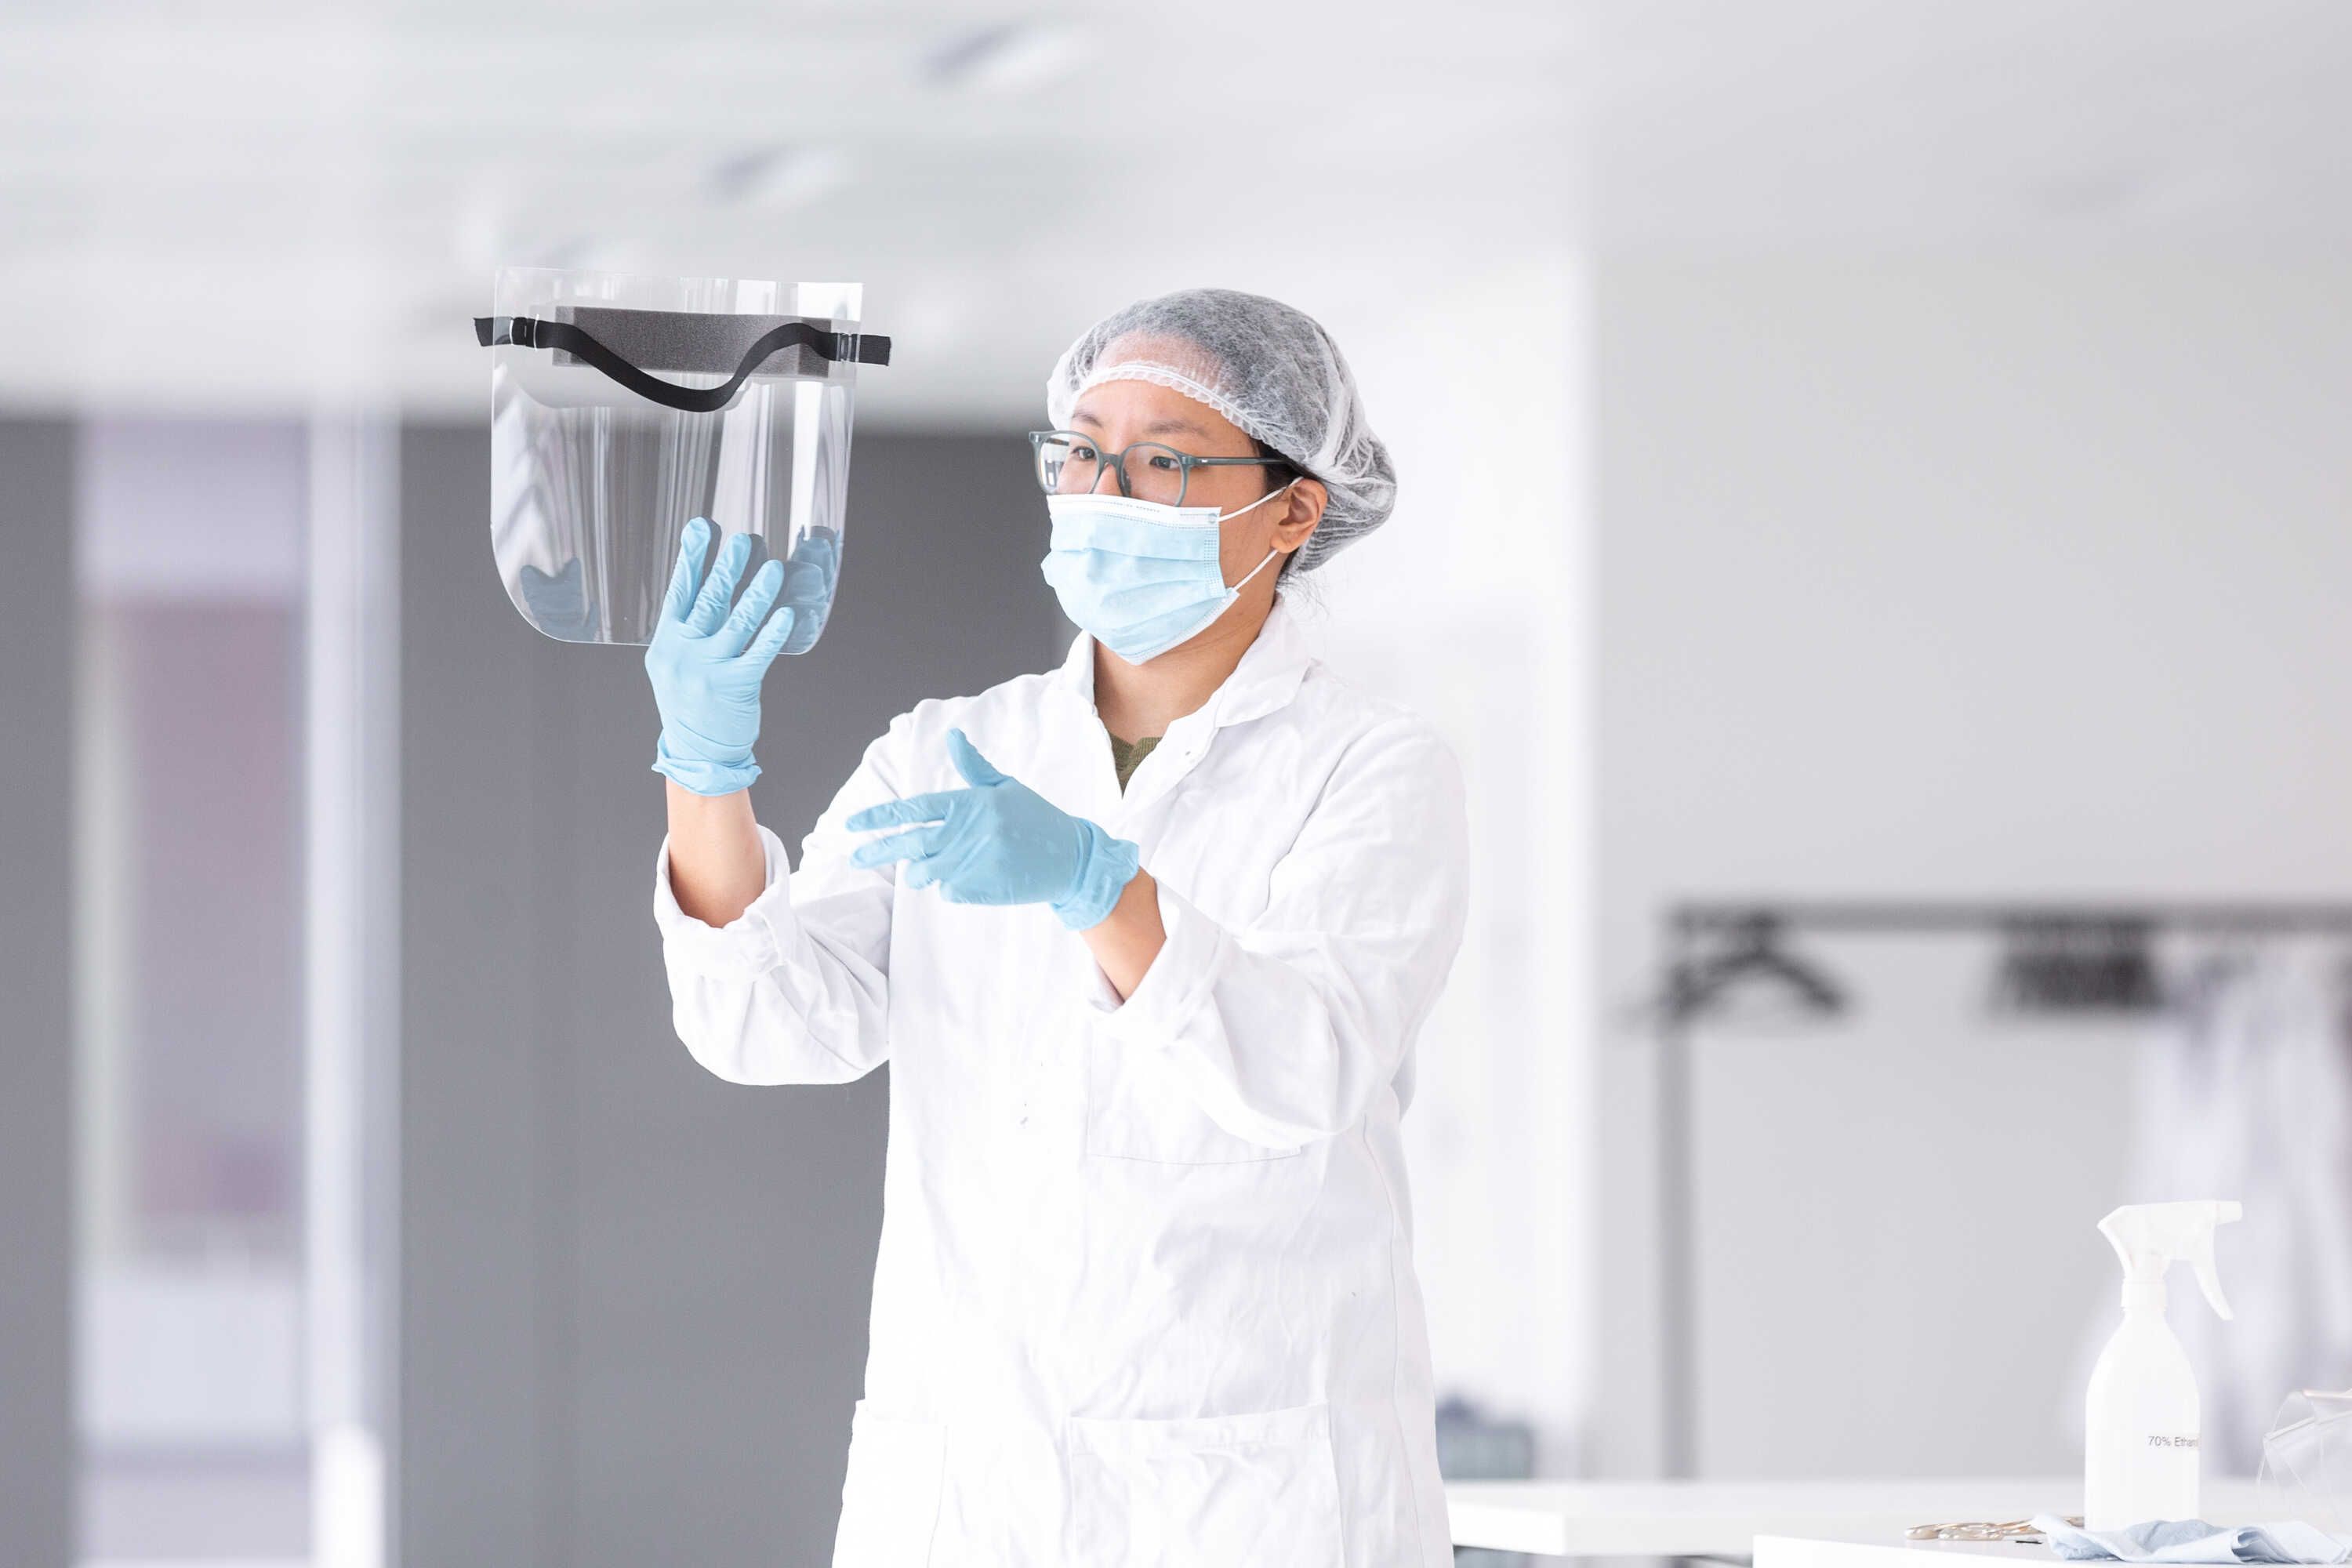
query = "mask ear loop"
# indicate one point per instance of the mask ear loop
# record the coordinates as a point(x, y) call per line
point(1253, 572)
point(1270, 554)
point(1237, 512)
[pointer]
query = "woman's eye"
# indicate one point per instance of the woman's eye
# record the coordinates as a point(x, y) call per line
point(1164, 463)
point(1082, 455)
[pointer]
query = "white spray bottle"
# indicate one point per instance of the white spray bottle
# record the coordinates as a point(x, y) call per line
point(2142, 1424)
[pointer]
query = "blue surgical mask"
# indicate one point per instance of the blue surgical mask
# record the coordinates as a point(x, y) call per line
point(1142, 576)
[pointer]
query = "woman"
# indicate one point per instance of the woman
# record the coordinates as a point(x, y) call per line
point(1147, 941)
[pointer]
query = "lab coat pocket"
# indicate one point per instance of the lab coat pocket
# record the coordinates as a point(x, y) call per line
point(1136, 1110)
point(1226, 1491)
point(890, 1499)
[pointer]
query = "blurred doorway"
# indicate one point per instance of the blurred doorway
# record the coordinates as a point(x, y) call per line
point(232, 1117)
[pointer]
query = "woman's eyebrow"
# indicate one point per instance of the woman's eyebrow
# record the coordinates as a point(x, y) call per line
point(1173, 426)
point(1167, 425)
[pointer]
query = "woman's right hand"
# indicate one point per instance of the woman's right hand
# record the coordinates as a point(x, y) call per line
point(706, 665)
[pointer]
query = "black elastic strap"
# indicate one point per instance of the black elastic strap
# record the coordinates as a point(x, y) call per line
point(530, 332)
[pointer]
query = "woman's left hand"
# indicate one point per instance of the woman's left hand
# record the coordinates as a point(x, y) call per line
point(999, 842)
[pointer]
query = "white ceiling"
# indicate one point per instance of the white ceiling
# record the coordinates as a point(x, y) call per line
point(1971, 122)
point(260, 204)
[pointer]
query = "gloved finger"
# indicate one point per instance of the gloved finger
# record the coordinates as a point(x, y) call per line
point(920, 873)
point(710, 604)
point(692, 544)
point(772, 638)
point(906, 813)
point(911, 844)
point(736, 634)
point(820, 547)
point(976, 769)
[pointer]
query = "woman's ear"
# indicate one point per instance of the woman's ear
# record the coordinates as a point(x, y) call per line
point(1308, 499)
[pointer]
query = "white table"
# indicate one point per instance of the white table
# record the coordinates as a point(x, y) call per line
point(1705, 1519)
point(1784, 1552)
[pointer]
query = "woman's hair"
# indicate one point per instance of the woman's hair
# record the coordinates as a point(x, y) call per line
point(1279, 470)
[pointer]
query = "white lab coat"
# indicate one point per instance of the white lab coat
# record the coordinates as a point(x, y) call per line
point(1145, 1293)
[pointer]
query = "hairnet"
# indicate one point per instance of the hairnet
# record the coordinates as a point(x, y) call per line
point(1271, 370)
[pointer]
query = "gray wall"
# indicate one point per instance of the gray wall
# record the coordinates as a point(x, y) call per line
point(632, 1296)
point(37, 621)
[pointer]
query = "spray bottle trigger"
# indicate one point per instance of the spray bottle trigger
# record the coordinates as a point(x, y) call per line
point(2201, 1260)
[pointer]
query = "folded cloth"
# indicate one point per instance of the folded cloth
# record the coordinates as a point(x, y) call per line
point(2194, 1541)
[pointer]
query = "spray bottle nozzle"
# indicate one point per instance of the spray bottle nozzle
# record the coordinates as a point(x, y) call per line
point(2149, 1237)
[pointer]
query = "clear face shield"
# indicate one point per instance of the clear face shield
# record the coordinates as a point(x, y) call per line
point(2307, 1461)
point(621, 407)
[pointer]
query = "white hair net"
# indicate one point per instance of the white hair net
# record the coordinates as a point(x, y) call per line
point(1271, 370)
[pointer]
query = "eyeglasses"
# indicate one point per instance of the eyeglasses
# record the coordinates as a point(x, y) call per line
point(1071, 464)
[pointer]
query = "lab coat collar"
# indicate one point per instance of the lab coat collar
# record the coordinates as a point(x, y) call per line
point(1266, 680)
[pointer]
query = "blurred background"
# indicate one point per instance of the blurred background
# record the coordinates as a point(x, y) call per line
point(1871, 473)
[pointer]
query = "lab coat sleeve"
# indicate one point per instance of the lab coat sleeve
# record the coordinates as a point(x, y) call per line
point(796, 989)
point(1283, 1031)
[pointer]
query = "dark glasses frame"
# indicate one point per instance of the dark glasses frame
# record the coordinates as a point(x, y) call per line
point(1117, 460)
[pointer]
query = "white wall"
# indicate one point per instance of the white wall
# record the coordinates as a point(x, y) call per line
point(1940, 576)
point(1472, 608)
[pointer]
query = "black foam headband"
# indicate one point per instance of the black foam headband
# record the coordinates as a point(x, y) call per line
point(627, 343)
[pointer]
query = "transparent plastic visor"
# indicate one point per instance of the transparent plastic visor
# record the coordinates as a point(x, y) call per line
point(621, 407)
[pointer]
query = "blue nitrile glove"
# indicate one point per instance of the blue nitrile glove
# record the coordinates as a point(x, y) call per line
point(999, 842)
point(558, 603)
point(810, 570)
point(2193, 1540)
point(706, 665)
